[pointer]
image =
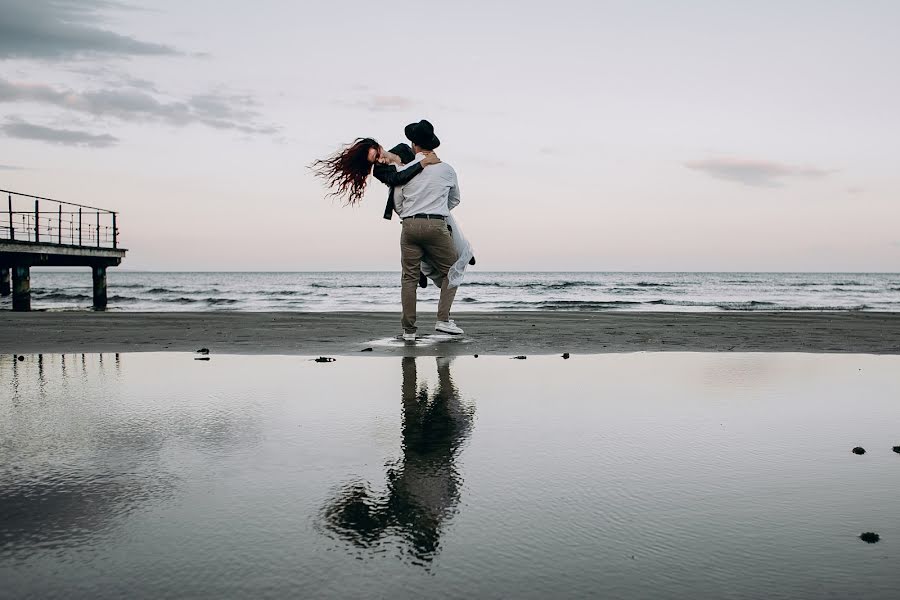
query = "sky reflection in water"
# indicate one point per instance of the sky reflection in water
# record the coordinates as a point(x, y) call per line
point(642, 475)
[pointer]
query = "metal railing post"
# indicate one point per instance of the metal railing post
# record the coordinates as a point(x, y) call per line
point(12, 227)
point(79, 226)
point(37, 224)
point(59, 226)
point(98, 228)
point(115, 232)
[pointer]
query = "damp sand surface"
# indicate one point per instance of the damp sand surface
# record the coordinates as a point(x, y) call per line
point(503, 333)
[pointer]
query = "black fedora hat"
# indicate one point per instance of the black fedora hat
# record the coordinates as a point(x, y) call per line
point(422, 134)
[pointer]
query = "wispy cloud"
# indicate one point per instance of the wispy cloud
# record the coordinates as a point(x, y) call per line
point(756, 173)
point(54, 29)
point(220, 111)
point(16, 128)
point(11, 168)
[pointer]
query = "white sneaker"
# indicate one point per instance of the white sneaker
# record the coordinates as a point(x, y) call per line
point(448, 327)
point(409, 337)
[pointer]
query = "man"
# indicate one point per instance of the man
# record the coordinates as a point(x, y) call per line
point(424, 204)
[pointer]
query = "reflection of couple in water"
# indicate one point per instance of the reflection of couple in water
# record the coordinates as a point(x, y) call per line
point(423, 486)
point(423, 190)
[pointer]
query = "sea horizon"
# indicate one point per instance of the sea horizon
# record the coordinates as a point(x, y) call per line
point(378, 291)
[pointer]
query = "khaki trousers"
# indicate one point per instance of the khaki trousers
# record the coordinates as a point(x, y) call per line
point(429, 239)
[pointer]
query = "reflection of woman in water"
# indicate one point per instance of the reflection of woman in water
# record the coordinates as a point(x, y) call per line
point(423, 487)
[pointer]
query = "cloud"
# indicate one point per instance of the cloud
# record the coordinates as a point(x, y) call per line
point(756, 173)
point(16, 128)
point(11, 168)
point(220, 111)
point(59, 29)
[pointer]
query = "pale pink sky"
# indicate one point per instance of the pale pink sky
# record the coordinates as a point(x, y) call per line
point(699, 135)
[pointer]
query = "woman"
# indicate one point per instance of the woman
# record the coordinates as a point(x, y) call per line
point(347, 172)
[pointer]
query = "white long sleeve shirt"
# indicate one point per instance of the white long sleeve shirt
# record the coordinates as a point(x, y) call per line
point(434, 191)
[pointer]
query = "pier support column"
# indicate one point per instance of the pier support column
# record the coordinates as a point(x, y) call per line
point(5, 288)
point(21, 292)
point(99, 275)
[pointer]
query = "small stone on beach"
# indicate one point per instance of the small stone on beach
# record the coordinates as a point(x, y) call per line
point(201, 358)
point(519, 357)
point(367, 350)
point(203, 351)
point(21, 358)
point(324, 359)
point(870, 537)
point(566, 355)
point(476, 356)
point(859, 450)
point(896, 449)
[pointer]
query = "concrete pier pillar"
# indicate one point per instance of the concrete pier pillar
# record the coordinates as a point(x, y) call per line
point(99, 275)
point(5, 287)
point(21, 292)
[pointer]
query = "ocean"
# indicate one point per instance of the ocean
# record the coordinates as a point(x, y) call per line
point(482, 291)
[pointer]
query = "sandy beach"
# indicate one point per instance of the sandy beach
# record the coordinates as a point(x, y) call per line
point(507, 333)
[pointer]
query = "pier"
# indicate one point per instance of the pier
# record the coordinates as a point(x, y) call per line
point(43, 232)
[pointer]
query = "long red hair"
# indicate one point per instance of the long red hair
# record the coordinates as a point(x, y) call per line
point(347, 171)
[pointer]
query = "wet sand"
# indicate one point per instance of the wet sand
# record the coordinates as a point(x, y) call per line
point(486, 333)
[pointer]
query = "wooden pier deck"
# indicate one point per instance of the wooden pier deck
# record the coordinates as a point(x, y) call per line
point(43, 232)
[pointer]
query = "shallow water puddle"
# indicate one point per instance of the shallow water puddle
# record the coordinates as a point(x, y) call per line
point(427, 339)
point(645, 475)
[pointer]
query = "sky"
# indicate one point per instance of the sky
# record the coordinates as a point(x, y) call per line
point(701, 135)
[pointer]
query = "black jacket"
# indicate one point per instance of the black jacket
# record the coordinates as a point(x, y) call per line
point(391, 177)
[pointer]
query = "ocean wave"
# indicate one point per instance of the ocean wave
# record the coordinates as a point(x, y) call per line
point(60, 296)
point(566, 304)
point(724, 305)
point(345, 286)
point(157, 290)
point(180, 300)
point(221, 301)
point(282, 293)
point(652, 284)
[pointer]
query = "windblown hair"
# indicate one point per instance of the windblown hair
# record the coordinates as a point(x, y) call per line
point(346, 171)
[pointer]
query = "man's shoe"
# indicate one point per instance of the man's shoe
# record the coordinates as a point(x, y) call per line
point(409, 337)
point(448, 327)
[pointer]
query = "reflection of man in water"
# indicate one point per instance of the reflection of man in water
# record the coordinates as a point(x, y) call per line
point(423, 486)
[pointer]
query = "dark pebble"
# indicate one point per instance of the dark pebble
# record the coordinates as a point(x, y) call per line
point(21, 358)
point(566, 355)
point(859, 450)
point(476, 356)
point(324, 359)
point(896, 449)
point(203, 351)
point(519, 357)
point(201, 358)
point(366, 350)
point(869, 537)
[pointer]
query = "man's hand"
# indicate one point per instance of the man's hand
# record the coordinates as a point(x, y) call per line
point(430, 159)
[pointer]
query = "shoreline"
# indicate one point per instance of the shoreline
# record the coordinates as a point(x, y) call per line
point(497, 333)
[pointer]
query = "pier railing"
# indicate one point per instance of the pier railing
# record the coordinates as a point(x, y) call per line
point(27, 218)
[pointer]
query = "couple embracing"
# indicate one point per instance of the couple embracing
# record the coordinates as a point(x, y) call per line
point(423, 191)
